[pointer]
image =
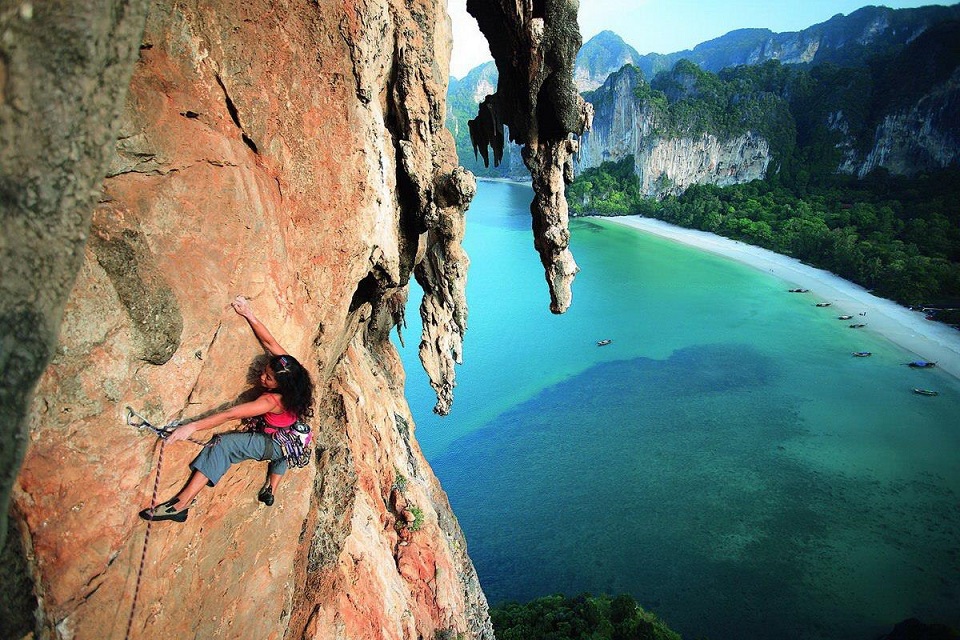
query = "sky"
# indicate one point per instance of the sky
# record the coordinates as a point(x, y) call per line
point(666, 26)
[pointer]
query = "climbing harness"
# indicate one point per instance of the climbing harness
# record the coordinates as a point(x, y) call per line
point(295, 443)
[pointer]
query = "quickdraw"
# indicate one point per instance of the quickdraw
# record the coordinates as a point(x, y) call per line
point(134, 419)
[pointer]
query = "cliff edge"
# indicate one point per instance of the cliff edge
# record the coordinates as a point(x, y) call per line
point(159, 158)
point(294, 153)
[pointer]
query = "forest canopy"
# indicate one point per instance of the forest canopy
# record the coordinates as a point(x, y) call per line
point(584, 617)
point(897, 236)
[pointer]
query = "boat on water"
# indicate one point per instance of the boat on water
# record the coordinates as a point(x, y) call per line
point(798, 290)
point(823, 304)
point(858, 325)
point(844, 317)
point(863, 354)
point(603, 343)
point(926, 392)
point(921, 364)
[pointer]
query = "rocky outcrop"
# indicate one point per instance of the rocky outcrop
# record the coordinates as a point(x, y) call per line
point(597, 58)
point(534, 45)
point(291, 152)
point(664, 164)
point(919, 138)
point(64, 72)
point(914, 629)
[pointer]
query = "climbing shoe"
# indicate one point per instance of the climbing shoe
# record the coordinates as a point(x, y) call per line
point(165, 511)
point(266, 496)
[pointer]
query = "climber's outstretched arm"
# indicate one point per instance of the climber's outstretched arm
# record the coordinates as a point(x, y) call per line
point(265, 403)
point(242, 306)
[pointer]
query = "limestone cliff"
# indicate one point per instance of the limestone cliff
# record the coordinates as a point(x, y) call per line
point(665, 164)
point(291, 152)
point(891, 104)
point(920, 137)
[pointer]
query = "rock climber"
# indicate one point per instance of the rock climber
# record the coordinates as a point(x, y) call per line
point(287, 396)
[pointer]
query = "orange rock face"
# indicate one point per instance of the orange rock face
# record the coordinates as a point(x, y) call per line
point(293, 153)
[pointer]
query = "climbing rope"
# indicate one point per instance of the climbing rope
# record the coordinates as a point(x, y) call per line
point(146, 539)
point(134, 419)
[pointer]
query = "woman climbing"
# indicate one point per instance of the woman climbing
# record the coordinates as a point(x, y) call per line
point(287, 397)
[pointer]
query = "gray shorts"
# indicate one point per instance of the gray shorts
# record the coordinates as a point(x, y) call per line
point(230, 448)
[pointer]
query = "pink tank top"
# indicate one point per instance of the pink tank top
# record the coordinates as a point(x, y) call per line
point(277, 421)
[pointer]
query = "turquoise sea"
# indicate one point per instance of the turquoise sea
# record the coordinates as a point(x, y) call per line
point(725, 459)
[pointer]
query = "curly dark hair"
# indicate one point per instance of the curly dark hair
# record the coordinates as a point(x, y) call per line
point(293, 385)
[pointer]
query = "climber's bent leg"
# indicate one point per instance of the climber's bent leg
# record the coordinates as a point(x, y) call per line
point(225, 450)
point(197, 482)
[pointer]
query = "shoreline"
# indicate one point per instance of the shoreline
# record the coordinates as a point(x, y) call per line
point(527, 183)
point(927, 340)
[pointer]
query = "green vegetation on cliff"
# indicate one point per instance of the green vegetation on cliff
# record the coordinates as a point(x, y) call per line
point(789, 106)
point(611, 189)
point(898, 236)
point(584, 617)
point(687, 101)
point(809, 115)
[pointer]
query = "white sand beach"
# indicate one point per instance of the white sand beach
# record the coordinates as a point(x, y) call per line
point(928, 340)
